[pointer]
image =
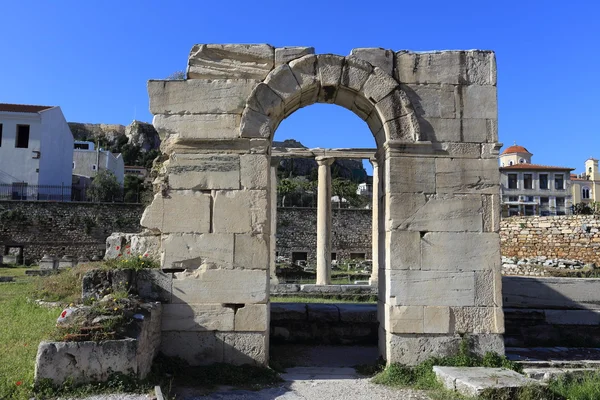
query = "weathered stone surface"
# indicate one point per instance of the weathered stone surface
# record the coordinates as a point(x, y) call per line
point(226, 61)
point(378, 85)
point(240, 211)
point(404, 250)
point(405, 128)
point(393, 106)
point(473, 381)
point(255, 124)
point(251, 251)
point(284, 84)
point(254, 171)
point(245, 348)
point(460, 251)
point(437, 101)
point(252, 318)
point(551, 293)
point(197, 348)
point(479, 102)
point(329, 72)
point(412, 349)
point(265, 101)
point(491, 212)
point(355, 73)
point(401, 206)
point(412, 175)
point(436, 320)
point(183, 211)
point(458, 150)
point(190, 251)
point(478, 319)
point(481, 67)
point(404, 319)
point(289, 311)
point(475, 130)
point(197, 317)
point(305, 72)
point(357, 312)
point(488, 288)
point(430, 288)
point(284, 55)
point(226, 96)
point(440, 129)
point(220, 286)
point(467, 176)
point(195, 171)
point(445, 214)
point(188, 128)
point(431, 67)
point(376, 56)
point(572, 317)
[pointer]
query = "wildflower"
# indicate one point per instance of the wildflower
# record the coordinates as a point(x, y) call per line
point(19, 383)
point(128, 252)
point(128, 246)
point(116, 309)
point(118, 247)
point(71, 305)
point(140, 257)
point(63, 314)
point(146, 255)
point(119, 255)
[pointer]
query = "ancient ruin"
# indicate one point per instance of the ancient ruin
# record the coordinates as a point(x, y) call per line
point(436, 209)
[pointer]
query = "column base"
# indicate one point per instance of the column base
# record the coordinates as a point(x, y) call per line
point(412, 349)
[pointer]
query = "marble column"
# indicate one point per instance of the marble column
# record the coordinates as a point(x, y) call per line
point(324, 221)
point(273, 239)
point(375, 224)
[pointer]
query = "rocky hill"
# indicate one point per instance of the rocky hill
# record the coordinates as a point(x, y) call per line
point(140, 134)
point(344, 168)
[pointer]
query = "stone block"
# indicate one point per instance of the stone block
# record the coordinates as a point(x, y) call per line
point(412, 349)
point(355, 73)
point(467, 176)
point(479, 102)
point(488, 288)
point(377, 57)
point(394, 105)
point(412, 175)
point(478, 319)
point(401, 206)
point(357, 313)
point(284, 55)
point(227, 61)
point(378, 85)
point(434, 67)
point(430, 288)
point(446, 213)
point(251, 251)
point(245, 348)
point(195, 127)
point(329, 71)
point(288, 311)
point(255, 124)
point(432, 101)
point(322, 312)
point(440, 129)
point(404, 249)
point(197, 348)
point(436, 319)
point(225, 96)
point(460, 251)
point(458, 150)
point(153, 284)
point(199, 171)
point(474, 381)
point(404, 319)
point(490, 150)
point(197, 317)
point(305, 72)
point(183, 211)
point(572, 317)
point(241, 211)
point(284, 84)
point(221, 286)
point(254, 171)
point(481, 67)
point(190, 251)
point(252, 318)
point(491, 212)
point(476, 130)
point(265, 101)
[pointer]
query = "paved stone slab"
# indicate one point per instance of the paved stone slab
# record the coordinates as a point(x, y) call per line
point(472, 381)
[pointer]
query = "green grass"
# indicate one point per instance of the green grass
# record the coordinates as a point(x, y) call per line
point(23, 325)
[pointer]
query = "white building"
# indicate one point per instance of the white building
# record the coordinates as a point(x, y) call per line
point(36, 152)
point(87, 161)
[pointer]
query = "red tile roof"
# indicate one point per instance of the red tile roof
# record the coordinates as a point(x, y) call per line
point(515, 149)
point(536, 167)
point(23, 108)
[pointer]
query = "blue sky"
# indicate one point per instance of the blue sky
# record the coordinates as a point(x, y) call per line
point(93, 58)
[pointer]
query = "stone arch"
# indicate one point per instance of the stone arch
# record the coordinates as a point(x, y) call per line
point(350, 82)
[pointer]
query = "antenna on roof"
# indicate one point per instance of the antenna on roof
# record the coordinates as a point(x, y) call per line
point(515, 143)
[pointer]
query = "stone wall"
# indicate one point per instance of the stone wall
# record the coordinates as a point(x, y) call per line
point(76, 229)
point(574, 237)
point(297, 232)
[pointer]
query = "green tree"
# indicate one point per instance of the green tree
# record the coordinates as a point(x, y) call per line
point(133, 189)
point(285, 187)
point(105, 188)
point(345, 189)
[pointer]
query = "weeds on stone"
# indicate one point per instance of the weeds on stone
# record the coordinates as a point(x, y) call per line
point(134, 263)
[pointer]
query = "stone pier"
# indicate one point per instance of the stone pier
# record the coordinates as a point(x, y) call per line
point(324, 221)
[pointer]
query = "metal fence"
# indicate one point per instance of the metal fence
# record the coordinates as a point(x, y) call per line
point(23, 191)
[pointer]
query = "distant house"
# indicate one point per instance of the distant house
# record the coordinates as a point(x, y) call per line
point(89, 160)
point(586, 186)
point(36, 153)
point(136, 170)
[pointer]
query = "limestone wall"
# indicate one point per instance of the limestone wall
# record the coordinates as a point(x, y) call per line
point(297, 231)
point(76, 229)
point(572, 237)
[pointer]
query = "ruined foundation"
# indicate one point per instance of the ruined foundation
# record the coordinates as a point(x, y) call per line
point(434, 120)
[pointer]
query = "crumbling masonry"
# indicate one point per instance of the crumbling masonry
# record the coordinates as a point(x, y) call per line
point(434, 120)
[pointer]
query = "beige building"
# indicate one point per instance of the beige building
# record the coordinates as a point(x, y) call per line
point(532, 189)
point(586, 186)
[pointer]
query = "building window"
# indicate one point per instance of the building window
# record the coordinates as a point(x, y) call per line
point(510, 163)
point(528, 181)
point(544, 201)
point(0, 135)
point(22, 137)
point(94, 167)
point(585, 193)
point(358, 256)
point(590, 170)
point(559, 182)
point(560, 206)
point(299, 257)
point(512, 181)
point(513, 198)
point(543, 181)
point(73, 164)
point(522, 161)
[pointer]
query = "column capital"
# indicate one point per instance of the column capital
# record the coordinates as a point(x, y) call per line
point(275, 161)
point(374, 162)
point(322, 160)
